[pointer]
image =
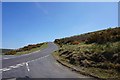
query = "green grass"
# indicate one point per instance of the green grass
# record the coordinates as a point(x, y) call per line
point(89, 71)
point(99, 60)
point(98, 53)
point(102, 73)
point(45, 45)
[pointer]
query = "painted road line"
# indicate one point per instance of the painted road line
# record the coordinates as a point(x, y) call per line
point(44, 56)
point(22, 64)
point(27, 67)
point(38, 59)
point(6, 69)
point(1, 70)
point(31, 53)
point(16, 66)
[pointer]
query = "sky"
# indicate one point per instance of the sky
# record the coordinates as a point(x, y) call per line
point(26, 23)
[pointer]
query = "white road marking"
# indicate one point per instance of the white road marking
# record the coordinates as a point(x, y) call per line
point(38, 58)
point(31, 53)
point(27, 67)
point(22, 64)
point(20, 55)
point(6, 69)
point(5, 58)
point(12, 66)
point(1, 70)
point(12, 79)
point(58, 64)
point(44, 56)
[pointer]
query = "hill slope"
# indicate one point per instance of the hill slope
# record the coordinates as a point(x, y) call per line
point(26, 49)
point(102, 36)
point(97, 51)
point(5, 50)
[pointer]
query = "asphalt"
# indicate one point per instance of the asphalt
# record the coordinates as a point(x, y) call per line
point(40, 64)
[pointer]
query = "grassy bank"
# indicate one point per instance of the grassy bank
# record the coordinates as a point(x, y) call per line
point(96, 53)
point(27, 49)
point(81, 58)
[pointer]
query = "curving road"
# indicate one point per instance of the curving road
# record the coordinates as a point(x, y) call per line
point(39, 64)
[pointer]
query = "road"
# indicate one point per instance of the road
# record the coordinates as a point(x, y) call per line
point(40, 64)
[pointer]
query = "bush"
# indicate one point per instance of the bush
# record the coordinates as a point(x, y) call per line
point(86, 63)
point(10, 53)
point(100, 37)
point(25, 48)
point(117, 67)
point(75, 42)
point(72, 60)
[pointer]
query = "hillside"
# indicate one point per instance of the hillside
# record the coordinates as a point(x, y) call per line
point(27, 49)
point(102, 36)
point(5, 50)
point(98, 53)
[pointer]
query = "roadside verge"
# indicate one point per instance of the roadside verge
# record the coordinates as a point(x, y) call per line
point(27, 49)
point(72, 67)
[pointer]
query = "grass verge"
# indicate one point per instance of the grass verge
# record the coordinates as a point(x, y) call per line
point(45, 45)
point(97, 73)
point(27, 49)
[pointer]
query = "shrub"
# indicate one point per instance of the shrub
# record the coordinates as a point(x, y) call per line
point(117, 67)
point(10, 52)
point(75, 42)
point(25, 48)
point(100, 37)
point(72, 60)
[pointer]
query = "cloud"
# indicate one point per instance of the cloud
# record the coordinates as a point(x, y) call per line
point(38, 5)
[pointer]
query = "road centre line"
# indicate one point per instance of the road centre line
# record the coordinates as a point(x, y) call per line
point(27, 67)
point(22, 64)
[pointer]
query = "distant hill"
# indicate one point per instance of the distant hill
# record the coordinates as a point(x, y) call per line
point(23, 49)
point(5, 50)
